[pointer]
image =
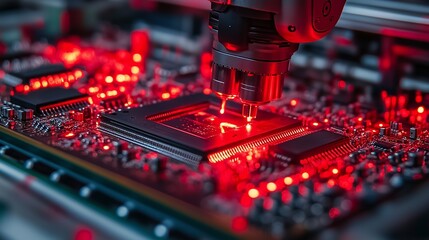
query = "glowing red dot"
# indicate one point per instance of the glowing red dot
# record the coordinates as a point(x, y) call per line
point(271, 186)
point(108, 79)
point(334, 171)
point(421, 109)
point(137, 57)
point(135, 70)
point(239, 224)
point(334, 213)
point(288, 180)
point(253, 193)
point(83, 234)
point(207, 91)
point(165, 96)
point(69, 135)
point(293, 102)
point(305, 175)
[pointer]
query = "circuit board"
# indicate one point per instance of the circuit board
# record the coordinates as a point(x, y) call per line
point(145, 143)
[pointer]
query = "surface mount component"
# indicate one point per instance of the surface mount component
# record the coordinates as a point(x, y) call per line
point(48, 75)
point(309, 145)
point(50, 101)
point(14, 78)
point(191, 128)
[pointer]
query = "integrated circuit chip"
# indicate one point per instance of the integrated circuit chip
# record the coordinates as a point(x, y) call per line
point(48, 75)
point(51, 100)
point(191, 128)
point(309, 145)
point(24, 77)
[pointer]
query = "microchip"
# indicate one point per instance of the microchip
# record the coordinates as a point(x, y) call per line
point(191, 129)
point(24, 77)
point(309, 145)
point(10, 56)
point(383, 145)
point(49, 101)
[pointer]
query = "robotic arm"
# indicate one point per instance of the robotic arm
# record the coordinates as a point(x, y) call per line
point(254, 41)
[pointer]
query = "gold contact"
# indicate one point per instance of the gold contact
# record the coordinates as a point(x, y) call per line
point(272, 139)
point(331, 154)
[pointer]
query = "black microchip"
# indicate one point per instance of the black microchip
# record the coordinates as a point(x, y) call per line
point(191, 128)
point(51, 100)
point(25, 77)
point(383, 145)
point(10, 56)
point(309, 145)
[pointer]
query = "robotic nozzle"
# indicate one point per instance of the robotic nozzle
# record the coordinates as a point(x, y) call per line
point(253, 42)
point(253, 90)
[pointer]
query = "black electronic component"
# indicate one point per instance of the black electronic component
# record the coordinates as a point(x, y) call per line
point(383, 145)
point(24, 77)
point(309, 145)
point(17, 55)
point(191, 128)
point(51, 100)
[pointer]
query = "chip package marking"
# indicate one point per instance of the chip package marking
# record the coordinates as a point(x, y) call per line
point(51, 100)
point(190, 128)
point(309, 145)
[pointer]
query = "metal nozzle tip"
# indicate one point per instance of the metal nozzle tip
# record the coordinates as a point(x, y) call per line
point(224, 98)
point(249, 111)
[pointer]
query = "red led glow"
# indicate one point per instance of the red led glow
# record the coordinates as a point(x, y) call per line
point(108, 79)
point(288, 180)
point(165, 96)
point(271, 187)
point(253, 193)
point(69, 135)
point(140, 42)
point(239, 224)
point(83, 234)
point(137, 57)
point(334, 213)
point(305, 175)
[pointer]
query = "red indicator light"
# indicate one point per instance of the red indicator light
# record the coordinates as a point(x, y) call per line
point(137, 57)
point(239, 224)
point(108, 79)
point(271, 187)
point(288, 180)
point(69, 135)
point(334, 213)
point(165, 96)
point(305, 175)
point(135, 70)
point(253, 193)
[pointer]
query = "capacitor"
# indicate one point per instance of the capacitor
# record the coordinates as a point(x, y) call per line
point(25, 115)
point(413, 133)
